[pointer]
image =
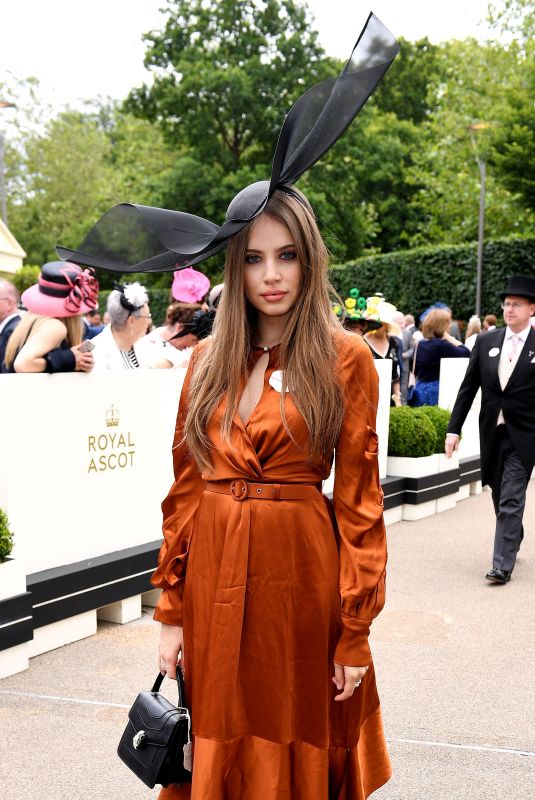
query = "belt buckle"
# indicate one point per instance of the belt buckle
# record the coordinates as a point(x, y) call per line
point(238, 489)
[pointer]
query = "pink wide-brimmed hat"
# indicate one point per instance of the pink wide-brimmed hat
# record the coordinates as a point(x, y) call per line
point(189, 286)
point(63, 290)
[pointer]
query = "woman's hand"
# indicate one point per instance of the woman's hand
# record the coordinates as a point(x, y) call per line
point(451, 339)
point(171, 646)
point(347, 679)
point(84, 361)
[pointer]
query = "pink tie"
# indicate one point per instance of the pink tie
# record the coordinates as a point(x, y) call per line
point(514, 341)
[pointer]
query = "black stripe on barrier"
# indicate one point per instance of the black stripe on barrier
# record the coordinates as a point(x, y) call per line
point(431, 487)
point(394, 491)
point(72, 589)
point(16, 625)
point(470, 469)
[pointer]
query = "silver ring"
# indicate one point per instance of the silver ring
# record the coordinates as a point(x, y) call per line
point(358, 684)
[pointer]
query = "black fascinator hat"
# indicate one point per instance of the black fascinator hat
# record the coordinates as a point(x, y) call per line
point(134, 238)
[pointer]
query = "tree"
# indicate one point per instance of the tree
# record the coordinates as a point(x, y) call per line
point(475, 88)
point(514, 141)
point(65, 182)
point(226, 73)
point(411, 86)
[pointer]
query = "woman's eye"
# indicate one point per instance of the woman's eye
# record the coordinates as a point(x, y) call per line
point(288, 255)
point(252, 259)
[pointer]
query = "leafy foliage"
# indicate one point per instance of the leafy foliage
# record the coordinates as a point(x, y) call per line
point(6, 536)
point(414, 279)
point(225, 72)
point(411, 89)
point(25, 277)
point(411, 433)
point(439, 418)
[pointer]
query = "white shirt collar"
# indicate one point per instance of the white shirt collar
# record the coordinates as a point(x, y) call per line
point(7, 319)
point(523, 334)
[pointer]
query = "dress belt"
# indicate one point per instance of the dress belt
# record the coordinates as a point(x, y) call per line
point(241, 489)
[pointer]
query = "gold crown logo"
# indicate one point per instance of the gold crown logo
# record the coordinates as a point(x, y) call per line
point(112, 417)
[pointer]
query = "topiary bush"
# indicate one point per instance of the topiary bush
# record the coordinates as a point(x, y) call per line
point(411, 433)
point(440, 419)
point(6, 537)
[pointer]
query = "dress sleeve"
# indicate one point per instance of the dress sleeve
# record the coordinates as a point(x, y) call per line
point(358, 507)
point(178, 508)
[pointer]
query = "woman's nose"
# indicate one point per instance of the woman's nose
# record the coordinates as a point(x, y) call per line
point(272, 272)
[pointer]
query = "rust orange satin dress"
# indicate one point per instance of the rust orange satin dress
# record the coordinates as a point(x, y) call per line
point(270, 593)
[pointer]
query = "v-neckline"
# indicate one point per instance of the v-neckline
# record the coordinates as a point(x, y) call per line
point(246, 422)
point(257, 351)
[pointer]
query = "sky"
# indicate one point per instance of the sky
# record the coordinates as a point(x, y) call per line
point(82, 50)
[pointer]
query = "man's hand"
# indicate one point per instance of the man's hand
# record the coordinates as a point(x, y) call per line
point(451, 444)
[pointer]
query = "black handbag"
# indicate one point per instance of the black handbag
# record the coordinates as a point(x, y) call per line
point(156, 743)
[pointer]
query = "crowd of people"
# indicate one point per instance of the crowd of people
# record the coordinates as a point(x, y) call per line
point(56, 326)
point(415, 350)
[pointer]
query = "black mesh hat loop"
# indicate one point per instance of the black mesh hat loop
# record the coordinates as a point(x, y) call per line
point(134, 238)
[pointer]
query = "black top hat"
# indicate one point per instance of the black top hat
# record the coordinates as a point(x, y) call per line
point(520, 286)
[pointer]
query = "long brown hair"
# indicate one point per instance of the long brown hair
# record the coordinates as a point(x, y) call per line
point(29, 326)
point(308, 348)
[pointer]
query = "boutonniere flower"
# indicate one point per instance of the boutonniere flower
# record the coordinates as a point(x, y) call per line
point(494, 352)
point(531, 353)
point(275, 381)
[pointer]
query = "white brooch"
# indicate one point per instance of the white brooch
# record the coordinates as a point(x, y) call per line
point(136, 294)
point(275, 381)
point(494, 352)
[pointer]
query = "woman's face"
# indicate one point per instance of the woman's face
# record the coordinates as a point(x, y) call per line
point(272, 275)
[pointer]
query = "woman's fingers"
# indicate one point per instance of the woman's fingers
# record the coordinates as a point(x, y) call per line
point(347, 679)
point(339, 678)
point(171, 647)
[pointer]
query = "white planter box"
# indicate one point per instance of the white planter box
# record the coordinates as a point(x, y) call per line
point(12, 579)
point(12, 583)
point(403, 467)
point(445, 463)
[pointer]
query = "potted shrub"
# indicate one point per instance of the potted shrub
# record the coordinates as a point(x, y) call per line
point(412, 441)
point(440, 418)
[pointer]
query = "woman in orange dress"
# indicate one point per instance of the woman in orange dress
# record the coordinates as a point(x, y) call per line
point(269, 589)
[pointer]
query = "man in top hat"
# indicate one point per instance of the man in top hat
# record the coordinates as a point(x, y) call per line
point(502, 364)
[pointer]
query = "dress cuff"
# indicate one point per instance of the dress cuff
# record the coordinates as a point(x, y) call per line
point(353, 649)
point(169, 607)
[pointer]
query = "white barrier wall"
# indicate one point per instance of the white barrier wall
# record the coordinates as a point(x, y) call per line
point(86, 461)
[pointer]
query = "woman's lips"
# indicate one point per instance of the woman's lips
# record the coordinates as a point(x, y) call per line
point(272, 297)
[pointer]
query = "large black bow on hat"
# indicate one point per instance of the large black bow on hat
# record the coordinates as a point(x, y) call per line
point(134, 238)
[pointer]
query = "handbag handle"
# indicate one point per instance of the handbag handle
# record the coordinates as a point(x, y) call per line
point(413, 370)
point(182, 702)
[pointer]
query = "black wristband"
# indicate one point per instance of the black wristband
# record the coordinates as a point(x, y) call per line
point(60, 360)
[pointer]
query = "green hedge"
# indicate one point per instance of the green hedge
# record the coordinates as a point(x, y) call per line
point(159, 299)
point(414, 279)
point(6, 537)
point(440, 419)
point(411, 433)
